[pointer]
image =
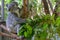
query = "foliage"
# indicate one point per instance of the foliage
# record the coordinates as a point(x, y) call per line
point(20, 2)
point(58, 8)
point(53, 2)
point(8, 1)
point(26, 30)
point(40, 27)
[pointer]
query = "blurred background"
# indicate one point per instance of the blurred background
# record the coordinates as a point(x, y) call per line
point(43, 18)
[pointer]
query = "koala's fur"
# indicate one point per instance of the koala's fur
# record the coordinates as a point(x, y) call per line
point(13, 7)
point(13, 22)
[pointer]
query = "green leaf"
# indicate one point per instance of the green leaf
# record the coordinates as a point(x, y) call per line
point(25, 34)
point(45, 26)
point(58, 21)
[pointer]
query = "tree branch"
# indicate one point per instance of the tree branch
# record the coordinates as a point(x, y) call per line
point(50, 5)
point(46, 8)
point(11, 35)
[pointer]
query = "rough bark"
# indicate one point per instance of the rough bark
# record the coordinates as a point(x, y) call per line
point(2, 9)
point(46, 8)
point(10, 35)
point(49, 2)
point(25, 9)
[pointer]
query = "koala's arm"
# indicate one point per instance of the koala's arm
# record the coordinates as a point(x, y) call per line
point(20, 20)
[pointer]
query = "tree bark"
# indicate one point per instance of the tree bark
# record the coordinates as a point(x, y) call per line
point(25, 9)
point(2, 10)
point(49, 2)
point(10, 35)
point(46, 8)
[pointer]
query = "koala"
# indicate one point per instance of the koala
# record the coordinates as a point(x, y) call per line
point(14, 4)
point(13, 21)
point(15, 9)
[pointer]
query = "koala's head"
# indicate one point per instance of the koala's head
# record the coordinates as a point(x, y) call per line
point(15, 4)
point(12, 6)
point(17, 11)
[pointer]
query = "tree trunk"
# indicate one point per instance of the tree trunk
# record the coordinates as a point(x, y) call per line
point(25, 9)
point(49, 2)
point(2, 10)
point(46, 8)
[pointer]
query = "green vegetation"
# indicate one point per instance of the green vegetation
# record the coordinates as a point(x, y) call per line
point(42, 28)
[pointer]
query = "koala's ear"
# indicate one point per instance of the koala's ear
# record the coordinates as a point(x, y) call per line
point(6, 5)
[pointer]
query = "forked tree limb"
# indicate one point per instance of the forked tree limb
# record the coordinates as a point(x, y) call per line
point(10, 35)
point(49, 2)
point(46, 8)
point(3, 27)
point(5, 34)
